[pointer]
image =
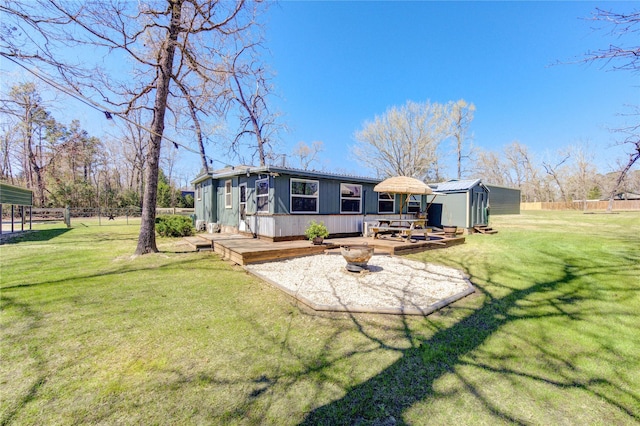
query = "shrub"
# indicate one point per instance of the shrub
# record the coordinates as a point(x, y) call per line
point(316, 229)
point(174, 226)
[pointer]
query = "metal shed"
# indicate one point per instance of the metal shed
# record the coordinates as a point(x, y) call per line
point(19, 199)
point(503, 200)
point(464, 204)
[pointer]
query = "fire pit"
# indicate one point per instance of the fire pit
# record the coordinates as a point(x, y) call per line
point(356, 256)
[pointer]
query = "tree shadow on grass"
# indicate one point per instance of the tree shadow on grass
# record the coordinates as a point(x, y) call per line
point(384, 398)
point(120, 272)
point(33, 235)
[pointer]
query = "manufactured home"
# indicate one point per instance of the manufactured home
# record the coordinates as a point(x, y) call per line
point(278, 203)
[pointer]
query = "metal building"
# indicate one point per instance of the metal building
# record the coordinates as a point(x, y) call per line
point(503, 200)
point(14, 202)
point(461, 203)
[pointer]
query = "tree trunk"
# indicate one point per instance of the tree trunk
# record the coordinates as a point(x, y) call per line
point(632, 159)
point(147, 237)
point(33, 161)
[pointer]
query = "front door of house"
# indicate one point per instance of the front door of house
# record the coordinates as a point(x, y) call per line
point(242, 208)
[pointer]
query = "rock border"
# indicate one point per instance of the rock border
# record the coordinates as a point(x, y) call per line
point(354, 308)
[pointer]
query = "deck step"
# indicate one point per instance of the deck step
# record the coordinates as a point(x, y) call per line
point(199, 243)
point(483, 229)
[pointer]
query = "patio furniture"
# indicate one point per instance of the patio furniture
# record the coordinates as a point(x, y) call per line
point(403, 229)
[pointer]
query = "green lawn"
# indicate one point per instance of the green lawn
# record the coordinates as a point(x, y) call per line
point(90, 335)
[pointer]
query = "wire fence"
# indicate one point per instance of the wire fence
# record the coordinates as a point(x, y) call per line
point(20, 219)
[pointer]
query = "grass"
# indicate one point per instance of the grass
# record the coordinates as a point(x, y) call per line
point(91, 335)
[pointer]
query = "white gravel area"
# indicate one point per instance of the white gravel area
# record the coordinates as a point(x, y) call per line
point(391, 284)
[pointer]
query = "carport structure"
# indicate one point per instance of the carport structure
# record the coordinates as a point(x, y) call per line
point(19, 199)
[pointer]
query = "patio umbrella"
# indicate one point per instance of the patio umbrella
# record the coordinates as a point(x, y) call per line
point(403, 185)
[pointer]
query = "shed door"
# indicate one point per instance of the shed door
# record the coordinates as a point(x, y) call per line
point(242, 208)
point(479, 209)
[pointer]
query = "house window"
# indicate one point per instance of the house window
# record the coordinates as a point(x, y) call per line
point(415, 201)
point(304, 196)
point(386, 202)
point(228, 199)
point(350, 198)
point(262, 195)
point(198, 191)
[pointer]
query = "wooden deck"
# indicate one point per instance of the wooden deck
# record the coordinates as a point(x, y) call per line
point(244, 250)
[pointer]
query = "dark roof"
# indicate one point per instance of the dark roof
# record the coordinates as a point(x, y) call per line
point(241, 170)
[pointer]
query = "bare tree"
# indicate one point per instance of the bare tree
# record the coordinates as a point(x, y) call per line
point(623, 27)
point(492, 168)
point(632, 139)
point(307, 154)
point(404, 141)
point(461, 117)
point(523, 170)
point(556, 171)
point(8, 140)
point(623, 55)
point(249, 89)
point(581, 173)
point(34, 124)
point(515, 167)
point(134, 145)
point(169, 42)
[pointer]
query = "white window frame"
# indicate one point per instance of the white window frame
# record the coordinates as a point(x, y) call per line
point(228, 194)
point(413, 202)
point(199, 191)
point(259, 196)
point(386, 200)
point(359, 198)
point(292, 195)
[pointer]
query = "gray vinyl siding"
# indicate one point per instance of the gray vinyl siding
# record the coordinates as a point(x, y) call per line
point(227, 216)
point(370, 199)
point(10, 194)
point(206, 206)
point(281, 191)
point(328, 193)
point(252, 202)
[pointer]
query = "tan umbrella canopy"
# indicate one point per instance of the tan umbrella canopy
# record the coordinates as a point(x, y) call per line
point(403, 185)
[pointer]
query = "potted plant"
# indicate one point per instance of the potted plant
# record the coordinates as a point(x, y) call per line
point(449, 229)
point(316, 232)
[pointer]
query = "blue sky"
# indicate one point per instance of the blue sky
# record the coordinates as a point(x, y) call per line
point(339, 64)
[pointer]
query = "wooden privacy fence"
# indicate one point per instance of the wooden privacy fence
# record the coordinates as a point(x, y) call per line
point(594, 205)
